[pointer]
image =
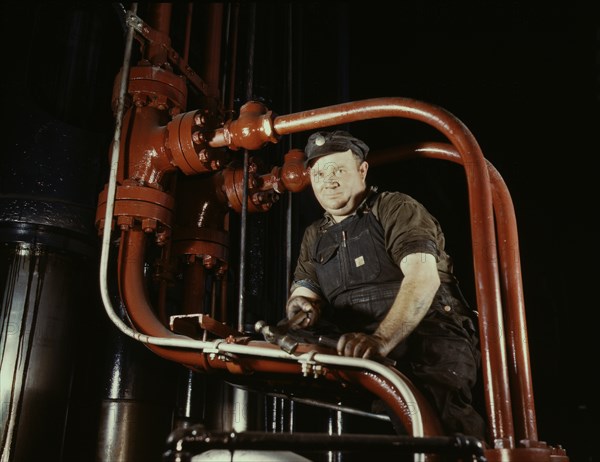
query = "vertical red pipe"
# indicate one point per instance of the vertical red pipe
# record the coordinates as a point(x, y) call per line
point(159, 17)
point(511, 281)
point(188, 32)
point(223, 304)
point(512, 284)
point(229, 84)
point(194, 288)
point(213, 48)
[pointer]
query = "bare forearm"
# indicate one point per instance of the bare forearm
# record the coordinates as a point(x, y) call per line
point(409, 308)
point(414, 298)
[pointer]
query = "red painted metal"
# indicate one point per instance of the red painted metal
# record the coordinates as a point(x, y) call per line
point(160, 18)
point(498, 400)
point(511, 282)
point(150, 207)
point(187, 144)
point(512, 292)
point(201, 225)
point(252, 130)
point(397, 403)
point(291, 176)
point(132, 288)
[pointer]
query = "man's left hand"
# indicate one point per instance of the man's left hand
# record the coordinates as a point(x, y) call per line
point(359, 345)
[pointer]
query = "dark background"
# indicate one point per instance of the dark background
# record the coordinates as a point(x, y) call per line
point(524, 78)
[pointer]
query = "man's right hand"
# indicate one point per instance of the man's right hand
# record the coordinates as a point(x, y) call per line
point(303, 311)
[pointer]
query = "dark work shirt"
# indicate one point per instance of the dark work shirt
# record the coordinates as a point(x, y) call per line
point(408, 228)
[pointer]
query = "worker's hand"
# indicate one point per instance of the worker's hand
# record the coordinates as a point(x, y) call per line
point(302, 311)
point(359, 345)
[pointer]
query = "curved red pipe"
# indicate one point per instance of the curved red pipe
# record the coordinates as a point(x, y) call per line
point(133, 291)
point(494, 361)
point(132, 288)
point(389, 394)
point(512, 283)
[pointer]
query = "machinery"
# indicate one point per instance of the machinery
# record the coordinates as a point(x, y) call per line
point(188, 170)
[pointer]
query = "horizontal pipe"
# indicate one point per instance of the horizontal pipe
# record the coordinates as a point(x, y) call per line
point(196, 441)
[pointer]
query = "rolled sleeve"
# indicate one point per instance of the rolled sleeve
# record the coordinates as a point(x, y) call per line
point(308, 284)
point(408, 227)
point(305, 274)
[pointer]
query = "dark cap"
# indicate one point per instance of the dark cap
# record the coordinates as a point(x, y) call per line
point(322, 143)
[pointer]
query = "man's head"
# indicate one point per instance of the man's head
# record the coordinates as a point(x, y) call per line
point(337, 171)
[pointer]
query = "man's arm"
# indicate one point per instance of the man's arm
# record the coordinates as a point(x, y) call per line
point(419, 286)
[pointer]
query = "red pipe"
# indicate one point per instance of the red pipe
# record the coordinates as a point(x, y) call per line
point(234, 13)
point(132, 286)
point(144, 142)
point(194, 287)
point(512, 284)
point(510, 263)
point(397, 403)
point(159, 17)
point(482, 226)
point(212, 51)
point(188, 32)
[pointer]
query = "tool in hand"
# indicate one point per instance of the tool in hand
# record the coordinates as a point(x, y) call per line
point(278, 334)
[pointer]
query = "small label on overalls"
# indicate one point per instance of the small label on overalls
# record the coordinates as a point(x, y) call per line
point(359, 261)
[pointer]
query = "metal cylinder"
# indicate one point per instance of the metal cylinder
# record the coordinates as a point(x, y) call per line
point(136, 410)
point(42, 290)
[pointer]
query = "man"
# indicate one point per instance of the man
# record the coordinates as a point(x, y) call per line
point(375, 268)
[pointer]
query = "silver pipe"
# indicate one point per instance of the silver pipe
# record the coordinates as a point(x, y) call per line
point(114, 166)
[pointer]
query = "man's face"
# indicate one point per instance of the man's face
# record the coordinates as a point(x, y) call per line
point(338, 182)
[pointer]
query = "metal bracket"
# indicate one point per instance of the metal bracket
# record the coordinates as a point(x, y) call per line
point(155, 37)
point(310, 366)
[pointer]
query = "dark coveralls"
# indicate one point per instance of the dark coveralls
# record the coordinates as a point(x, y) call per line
point(354, 266)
